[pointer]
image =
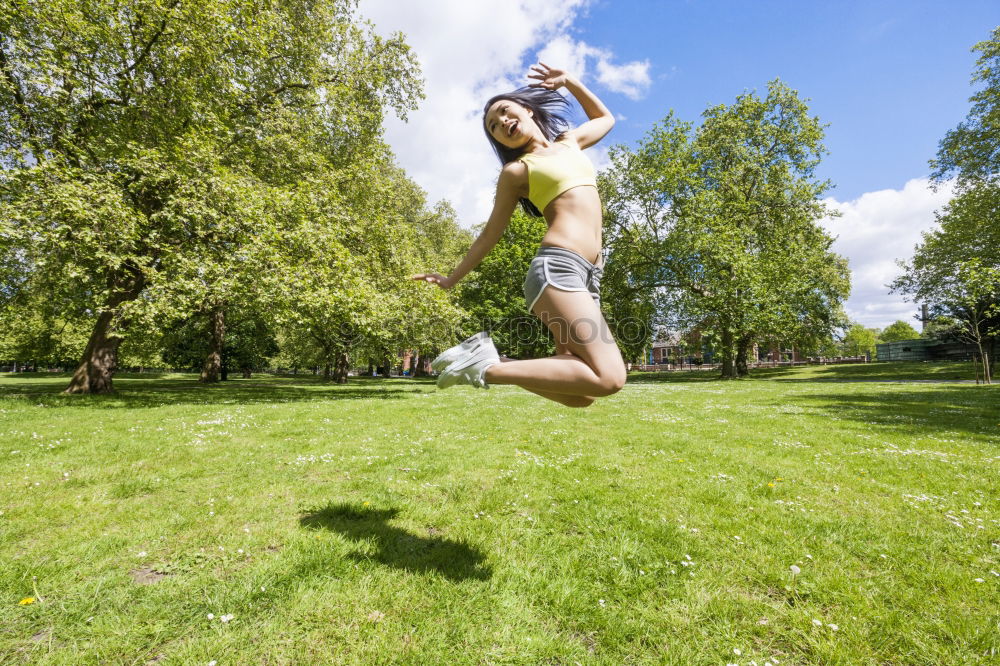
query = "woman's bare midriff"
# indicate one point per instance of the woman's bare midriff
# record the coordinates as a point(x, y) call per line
point(574, 219)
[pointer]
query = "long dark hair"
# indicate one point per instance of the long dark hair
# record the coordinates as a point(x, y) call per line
point(550, 111)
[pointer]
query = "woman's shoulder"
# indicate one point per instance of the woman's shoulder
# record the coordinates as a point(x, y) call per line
point(514, 169)
point(513, 178)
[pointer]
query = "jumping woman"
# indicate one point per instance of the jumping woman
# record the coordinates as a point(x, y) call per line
point(545, 170)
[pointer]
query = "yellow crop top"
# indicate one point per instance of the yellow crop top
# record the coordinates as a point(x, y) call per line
point(551, 175)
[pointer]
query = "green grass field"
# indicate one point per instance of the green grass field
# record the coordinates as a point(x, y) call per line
point(285, 521)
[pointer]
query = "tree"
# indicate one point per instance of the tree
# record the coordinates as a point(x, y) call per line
point(860, 341)
point(971, 151)
point(956, 266)
point(249, 343)
point(345, 293)
point(956, 269)
point(898, 330)
point(145, 142)
point(719, 224)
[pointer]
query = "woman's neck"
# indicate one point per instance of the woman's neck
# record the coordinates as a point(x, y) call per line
point(537, 143)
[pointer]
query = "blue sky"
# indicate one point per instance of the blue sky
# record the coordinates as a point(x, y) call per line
point(889, 77)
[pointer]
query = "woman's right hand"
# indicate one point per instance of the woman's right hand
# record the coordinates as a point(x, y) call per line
point(434, 278)
point(548, 77)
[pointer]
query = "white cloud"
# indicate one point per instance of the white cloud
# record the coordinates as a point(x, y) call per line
point(630, 79)
point(566, 53)
point(874, 231)
point(468, 52)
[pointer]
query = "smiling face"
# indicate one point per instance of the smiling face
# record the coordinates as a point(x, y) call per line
point(510, 124)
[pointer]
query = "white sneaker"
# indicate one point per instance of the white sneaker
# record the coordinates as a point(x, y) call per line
point(470, 368)
point(449, 356)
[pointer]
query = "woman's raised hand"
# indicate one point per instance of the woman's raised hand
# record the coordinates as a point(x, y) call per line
point(434, 278)
point(548, 78)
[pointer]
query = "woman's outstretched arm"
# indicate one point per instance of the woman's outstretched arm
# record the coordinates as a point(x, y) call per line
point(601, 119)
point(503, 207)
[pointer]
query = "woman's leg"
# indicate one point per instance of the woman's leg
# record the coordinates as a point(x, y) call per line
point(564, 398)
point(593, 366)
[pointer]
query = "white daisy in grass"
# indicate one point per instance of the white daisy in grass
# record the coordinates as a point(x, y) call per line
point(818, 623)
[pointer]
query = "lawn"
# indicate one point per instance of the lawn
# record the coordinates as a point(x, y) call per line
point(792, 518)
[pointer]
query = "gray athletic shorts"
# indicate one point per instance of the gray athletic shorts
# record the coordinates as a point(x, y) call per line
point(563, 269)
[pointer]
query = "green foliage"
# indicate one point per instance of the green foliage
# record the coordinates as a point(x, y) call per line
point(956, 269)
point(39, 334)
point(344, 290)
point(718, 224)
point(971, 151)
point(249, 342)
point(860, 341)
point(898, 330)
point(151, 149)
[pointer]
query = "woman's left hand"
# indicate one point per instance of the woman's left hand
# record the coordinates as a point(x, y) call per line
point(434, 278)
point(548, 78)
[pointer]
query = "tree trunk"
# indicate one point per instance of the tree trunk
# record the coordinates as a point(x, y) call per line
point(247, 372)
point(417, 365)
point(728, 368)
point(100, 358)
point(210, 372)
point(326, 371)
point(742, 351)
point(340, 376)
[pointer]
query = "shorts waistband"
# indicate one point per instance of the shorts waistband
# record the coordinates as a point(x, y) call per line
point(550, 250)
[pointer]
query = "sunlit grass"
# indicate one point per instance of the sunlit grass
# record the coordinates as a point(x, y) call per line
point(385, 522)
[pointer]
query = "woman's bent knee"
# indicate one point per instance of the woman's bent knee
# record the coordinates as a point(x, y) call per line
point(611, 383)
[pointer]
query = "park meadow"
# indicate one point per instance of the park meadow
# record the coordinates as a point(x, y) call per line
point(809, 515)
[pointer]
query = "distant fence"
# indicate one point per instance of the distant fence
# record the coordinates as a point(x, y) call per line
point(930, 350)
point(677, 367)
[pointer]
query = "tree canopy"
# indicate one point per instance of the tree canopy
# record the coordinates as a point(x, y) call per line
point(718, 224)
point(971, 151)
point(897, 331)
point(955, 269)
point(162, 157)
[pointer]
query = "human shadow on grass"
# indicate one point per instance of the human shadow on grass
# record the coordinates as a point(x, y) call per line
point(141, 393)
point(396, 547)
point(969, 410)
